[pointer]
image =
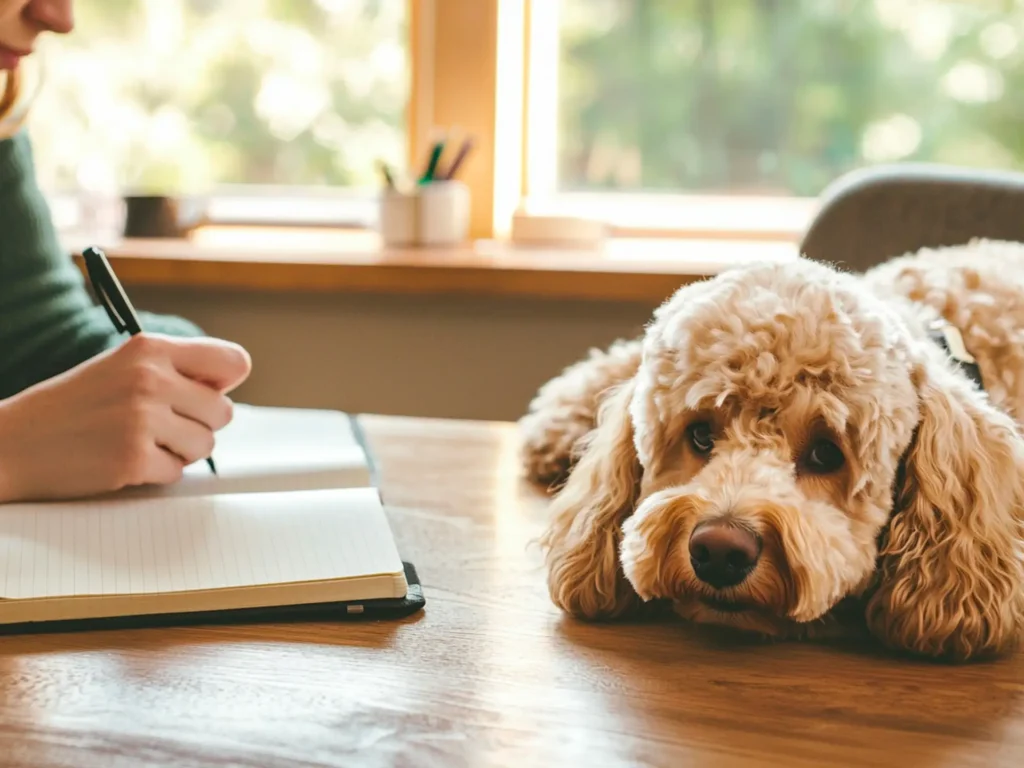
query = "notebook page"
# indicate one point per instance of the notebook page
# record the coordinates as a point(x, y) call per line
point(277, 449)
point(145, 546)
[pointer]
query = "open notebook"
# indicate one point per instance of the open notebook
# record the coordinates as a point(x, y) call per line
point(291, 522)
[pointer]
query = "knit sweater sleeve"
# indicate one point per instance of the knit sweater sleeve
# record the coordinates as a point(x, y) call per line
point(49, 322)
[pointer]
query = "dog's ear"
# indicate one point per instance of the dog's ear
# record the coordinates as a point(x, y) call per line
point(584, 575)
point(950, 581)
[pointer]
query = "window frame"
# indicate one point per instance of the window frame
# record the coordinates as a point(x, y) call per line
point(512, 100)
point(685, 215)
point(484, 66)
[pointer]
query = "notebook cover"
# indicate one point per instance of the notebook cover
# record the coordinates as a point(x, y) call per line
point(360, 610)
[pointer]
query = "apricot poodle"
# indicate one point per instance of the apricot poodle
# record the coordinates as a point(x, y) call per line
point(797, 451)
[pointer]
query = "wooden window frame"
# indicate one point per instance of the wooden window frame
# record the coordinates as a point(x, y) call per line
point(470, 68)
point(485, 66)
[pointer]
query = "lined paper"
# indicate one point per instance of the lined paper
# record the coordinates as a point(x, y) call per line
point(148, 546)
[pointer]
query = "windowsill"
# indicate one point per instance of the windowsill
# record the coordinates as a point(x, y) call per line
point(315, 259)
point(777, 218)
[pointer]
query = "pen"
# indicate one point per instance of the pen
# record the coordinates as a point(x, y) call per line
point(114, 299)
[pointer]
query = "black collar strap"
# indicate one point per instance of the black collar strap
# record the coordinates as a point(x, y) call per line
point(949, 338)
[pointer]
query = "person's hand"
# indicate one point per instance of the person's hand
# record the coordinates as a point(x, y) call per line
point(135, 415)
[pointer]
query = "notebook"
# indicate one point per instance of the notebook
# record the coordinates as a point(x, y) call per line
point(278, 449)
point(292, 524)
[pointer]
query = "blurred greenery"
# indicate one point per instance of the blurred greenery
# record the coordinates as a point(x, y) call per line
point(724, 96)
point(783, 96)
point(184, 95)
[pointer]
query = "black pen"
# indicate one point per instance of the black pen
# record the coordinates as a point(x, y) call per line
point(114, 299)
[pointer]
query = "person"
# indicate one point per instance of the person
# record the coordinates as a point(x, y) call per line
point(83, 409)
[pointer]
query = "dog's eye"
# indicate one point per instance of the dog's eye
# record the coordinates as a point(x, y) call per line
point(701, 438)
point(824, 457)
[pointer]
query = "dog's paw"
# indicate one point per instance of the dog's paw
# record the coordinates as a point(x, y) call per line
point(565, 409)
point(548, 447)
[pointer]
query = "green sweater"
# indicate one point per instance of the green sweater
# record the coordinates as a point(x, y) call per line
point(48, 319)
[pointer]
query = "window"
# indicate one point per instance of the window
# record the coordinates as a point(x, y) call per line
point(679, 114)
point(695, 118)
point(258, 101)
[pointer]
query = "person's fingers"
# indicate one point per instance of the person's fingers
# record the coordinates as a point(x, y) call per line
point(163, 467)
point(220, 364)
point(189, 440)
point(200, 403)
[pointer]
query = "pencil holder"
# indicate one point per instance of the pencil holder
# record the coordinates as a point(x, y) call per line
point(431, 214)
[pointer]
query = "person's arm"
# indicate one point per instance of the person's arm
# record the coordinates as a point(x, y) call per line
point(48, 320)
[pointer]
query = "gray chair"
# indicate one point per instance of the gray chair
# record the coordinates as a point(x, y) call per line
point(871, 215)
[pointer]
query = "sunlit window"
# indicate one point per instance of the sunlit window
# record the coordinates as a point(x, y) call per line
point(727, 117)
point(194, 96)
point(768, 98)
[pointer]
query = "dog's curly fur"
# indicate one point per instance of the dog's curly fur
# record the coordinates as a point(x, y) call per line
point(920, 527)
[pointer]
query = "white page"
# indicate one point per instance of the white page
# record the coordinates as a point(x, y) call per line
point(276, 449)
point(146, 546)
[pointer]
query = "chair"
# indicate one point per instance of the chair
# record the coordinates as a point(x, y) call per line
point(870, 215)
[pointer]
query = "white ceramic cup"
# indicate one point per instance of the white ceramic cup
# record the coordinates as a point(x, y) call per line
point(430, 214)
point(399, 217)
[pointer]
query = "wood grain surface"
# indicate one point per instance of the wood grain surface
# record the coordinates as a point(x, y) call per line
point(489, 674)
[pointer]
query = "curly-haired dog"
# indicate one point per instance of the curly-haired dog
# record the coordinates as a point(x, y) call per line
point(789, 441)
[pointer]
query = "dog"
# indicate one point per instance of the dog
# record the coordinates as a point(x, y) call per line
point(797, 451)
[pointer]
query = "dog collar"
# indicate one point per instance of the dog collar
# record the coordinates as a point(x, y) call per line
point(948, 336)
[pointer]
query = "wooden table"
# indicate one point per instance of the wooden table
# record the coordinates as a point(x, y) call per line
point(489, 674)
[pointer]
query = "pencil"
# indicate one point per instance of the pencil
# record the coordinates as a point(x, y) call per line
point(464, 150)
point(388, 178)
point(435, 155)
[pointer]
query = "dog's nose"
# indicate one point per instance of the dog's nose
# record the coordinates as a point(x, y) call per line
point(722, 554)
